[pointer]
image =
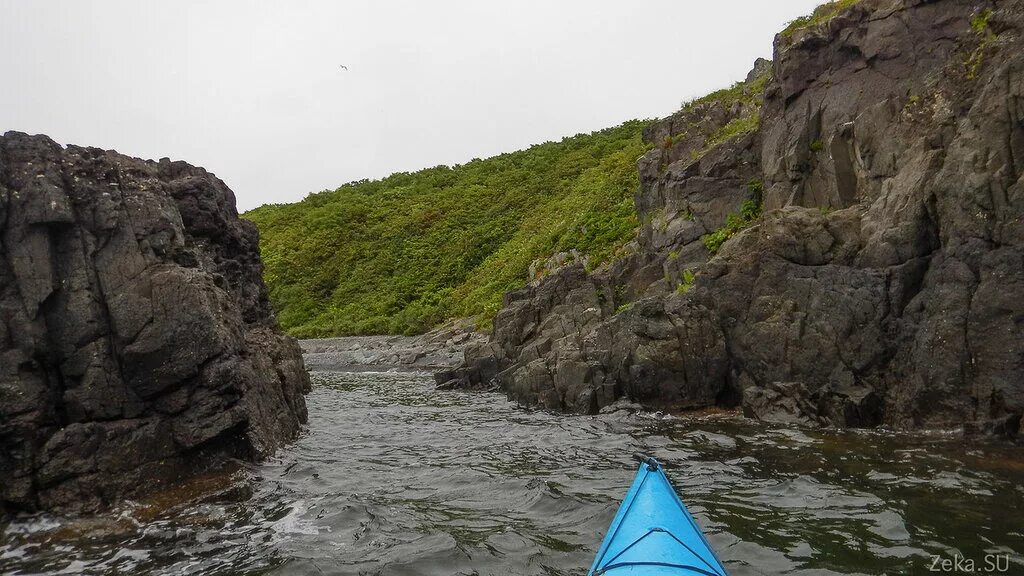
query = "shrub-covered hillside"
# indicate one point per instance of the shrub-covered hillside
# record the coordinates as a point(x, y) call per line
point(409, 251)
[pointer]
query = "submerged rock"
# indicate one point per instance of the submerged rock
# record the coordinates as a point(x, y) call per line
point(137, 344)
point(884, 282)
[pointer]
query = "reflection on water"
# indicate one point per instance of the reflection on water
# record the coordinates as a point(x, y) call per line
point(394, 478)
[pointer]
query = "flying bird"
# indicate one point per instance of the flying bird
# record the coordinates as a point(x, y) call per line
point(343, 67)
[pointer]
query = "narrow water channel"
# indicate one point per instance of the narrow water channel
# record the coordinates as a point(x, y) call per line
point(394, 478)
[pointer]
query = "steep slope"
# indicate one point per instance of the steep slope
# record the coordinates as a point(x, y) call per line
point(883, 282)
point(137, 344)
point(402, 254)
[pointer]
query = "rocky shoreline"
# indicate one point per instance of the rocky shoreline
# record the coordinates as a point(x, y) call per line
point(440, 349)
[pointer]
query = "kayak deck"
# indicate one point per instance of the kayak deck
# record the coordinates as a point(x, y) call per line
point(653, 533)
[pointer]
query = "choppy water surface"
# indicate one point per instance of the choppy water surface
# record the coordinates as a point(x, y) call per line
point(395, 478)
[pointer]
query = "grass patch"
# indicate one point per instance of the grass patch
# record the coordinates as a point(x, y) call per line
point(749, 95)
point(819, 16)
point(743, 92)
point(749, 211)
point(736, 127)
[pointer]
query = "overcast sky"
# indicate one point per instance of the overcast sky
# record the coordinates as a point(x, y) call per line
point(254, 91)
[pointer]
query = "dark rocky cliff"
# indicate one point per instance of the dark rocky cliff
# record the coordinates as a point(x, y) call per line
point(137, 345)
point(873, 271)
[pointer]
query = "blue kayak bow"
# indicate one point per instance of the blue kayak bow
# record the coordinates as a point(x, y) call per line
point(653, 534)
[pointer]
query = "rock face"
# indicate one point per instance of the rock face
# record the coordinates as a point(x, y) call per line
point(884, 282)
point(137, 345)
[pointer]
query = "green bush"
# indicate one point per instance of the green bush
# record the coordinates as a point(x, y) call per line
point(402, 254)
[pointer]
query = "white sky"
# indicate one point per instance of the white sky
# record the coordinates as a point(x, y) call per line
point(253, 91)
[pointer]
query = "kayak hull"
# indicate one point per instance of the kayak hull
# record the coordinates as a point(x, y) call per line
point(654, 534)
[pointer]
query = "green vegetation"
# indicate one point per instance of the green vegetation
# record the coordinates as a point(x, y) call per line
point(817, 146)
point(912, 102)
point(405, 253)
point(736, 127)
point(737, 221)
point(734, 223)
point(979, 23)
point(820, 15)
point(749, 96)
point(756, 188)
point(688, 278)
point(745, 93)
point(402, 254)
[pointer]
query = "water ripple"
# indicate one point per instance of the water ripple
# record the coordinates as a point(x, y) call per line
point(395, 478)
